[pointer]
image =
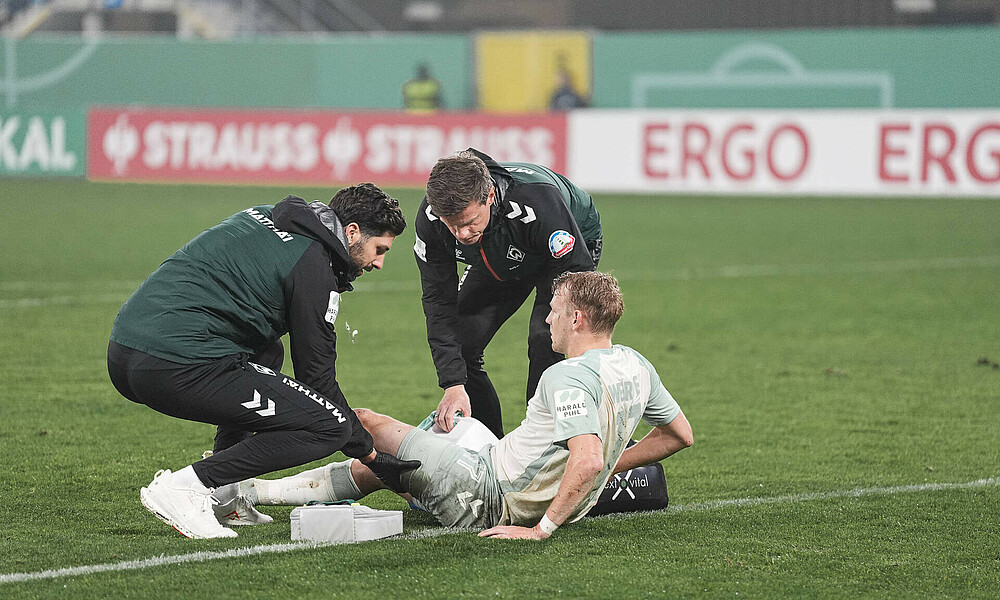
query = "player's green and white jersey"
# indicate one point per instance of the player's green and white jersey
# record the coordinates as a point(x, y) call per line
point(603, 392)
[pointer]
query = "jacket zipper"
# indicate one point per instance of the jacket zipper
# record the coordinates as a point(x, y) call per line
point(487, 263)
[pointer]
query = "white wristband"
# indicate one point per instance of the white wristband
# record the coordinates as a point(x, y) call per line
point(547, 525)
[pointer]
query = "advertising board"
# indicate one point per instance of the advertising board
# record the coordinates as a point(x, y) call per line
point(805, 152)
point(307, 147)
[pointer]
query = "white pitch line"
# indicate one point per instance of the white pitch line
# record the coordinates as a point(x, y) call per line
point(132, 565)
point(159, 561)
point(806, 497)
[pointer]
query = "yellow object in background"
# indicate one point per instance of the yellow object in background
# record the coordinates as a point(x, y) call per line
point(518, 72)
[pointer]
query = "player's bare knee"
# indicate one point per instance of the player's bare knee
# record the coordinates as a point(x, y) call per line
point(369, 418)
point(379, 425)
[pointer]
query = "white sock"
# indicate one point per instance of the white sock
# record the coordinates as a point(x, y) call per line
point(248, 489)
point(325, 484)
point(187, 478)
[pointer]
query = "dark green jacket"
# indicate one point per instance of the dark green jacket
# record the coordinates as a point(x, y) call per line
point(241, 285)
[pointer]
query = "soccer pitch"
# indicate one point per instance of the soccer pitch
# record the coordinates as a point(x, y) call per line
point(826, 351)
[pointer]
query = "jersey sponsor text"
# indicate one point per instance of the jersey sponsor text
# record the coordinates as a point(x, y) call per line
point(570, 403)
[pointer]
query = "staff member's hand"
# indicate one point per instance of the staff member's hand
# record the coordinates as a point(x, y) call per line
point(455, 400)
point(388, 468)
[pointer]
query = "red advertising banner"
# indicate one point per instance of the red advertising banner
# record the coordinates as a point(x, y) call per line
point(314, 147)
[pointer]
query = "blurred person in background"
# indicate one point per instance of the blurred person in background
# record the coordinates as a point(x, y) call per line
point(422, 94)
point(200, 340)
point(516, 226)
point(565, 96)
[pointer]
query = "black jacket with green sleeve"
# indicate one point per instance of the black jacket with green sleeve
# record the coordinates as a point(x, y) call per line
point(241, 285)
point(540, 225)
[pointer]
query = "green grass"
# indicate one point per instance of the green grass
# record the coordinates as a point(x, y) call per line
point(815, 344)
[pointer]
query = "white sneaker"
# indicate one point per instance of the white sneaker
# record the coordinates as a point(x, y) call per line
point(186, 510)
point(240, 511)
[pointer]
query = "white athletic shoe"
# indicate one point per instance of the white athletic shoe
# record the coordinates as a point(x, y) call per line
point(186, 510)
point(240, 511)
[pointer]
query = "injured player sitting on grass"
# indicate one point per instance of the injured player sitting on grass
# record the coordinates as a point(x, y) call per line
point(551, 469)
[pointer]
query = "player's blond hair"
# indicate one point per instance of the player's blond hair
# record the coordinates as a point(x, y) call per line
point(594, 293)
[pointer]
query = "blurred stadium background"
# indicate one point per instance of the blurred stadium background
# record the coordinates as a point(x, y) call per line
point(118, 90)
point(799, 197)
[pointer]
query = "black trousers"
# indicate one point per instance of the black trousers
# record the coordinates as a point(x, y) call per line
point(264, 423)
point(484, 304)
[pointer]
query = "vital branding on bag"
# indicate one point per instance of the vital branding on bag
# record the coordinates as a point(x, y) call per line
point(618, 482)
